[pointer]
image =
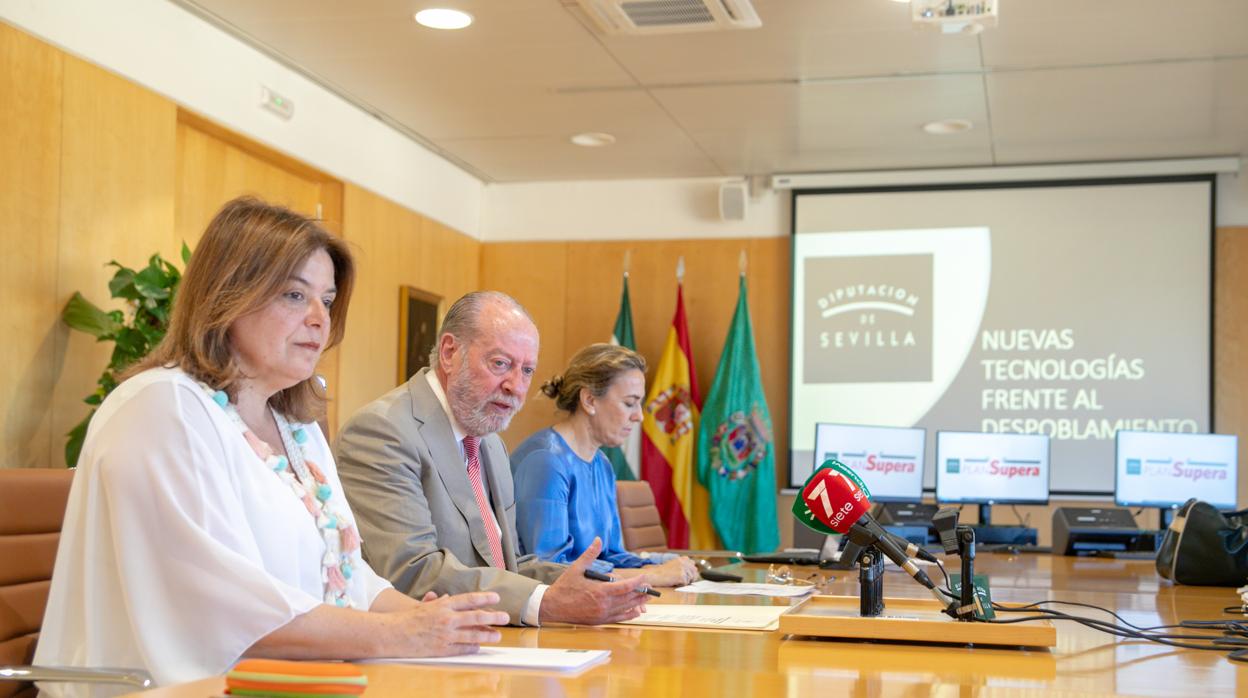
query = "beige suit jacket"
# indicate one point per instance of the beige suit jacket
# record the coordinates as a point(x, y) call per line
point(407, 484)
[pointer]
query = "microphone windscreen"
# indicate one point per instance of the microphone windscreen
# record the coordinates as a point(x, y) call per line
point(833, 498)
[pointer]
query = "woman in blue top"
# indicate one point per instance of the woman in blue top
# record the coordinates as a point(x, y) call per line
point(565, 488)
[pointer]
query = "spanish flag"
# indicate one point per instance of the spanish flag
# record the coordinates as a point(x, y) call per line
point(670, 427)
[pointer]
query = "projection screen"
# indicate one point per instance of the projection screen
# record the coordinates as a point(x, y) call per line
point(1068, 308)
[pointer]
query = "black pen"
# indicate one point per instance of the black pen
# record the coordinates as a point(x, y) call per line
point(600, 577)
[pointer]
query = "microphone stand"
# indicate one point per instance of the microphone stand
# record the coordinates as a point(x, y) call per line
point(861, 549)
point(871, 582)
point(958, 539)
point(966, 551)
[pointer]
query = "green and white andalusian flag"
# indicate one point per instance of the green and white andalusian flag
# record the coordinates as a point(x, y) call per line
point(626, 460)
point(735, 451)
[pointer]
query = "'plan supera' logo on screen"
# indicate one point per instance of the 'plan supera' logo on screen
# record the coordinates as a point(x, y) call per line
point(1192, 470)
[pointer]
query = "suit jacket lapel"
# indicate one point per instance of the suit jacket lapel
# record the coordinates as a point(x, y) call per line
point(435, 430)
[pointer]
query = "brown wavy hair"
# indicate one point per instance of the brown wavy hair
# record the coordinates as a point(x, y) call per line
point(244, 260)
point(592, 368)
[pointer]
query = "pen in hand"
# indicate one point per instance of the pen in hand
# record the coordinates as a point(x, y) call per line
point(600, 577)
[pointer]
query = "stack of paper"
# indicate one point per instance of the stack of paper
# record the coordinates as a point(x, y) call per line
point(703, 586)
point(723, 617)
point(539, 658)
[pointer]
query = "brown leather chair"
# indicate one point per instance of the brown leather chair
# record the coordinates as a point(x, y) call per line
point(639, 517)
point(32, 509)
point(32, 506)
point(643, 527)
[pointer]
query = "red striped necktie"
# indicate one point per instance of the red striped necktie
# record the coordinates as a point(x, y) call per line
point(483, 503)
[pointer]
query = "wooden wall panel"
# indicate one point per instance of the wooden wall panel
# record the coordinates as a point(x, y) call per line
point(769, 279)
point(331, 218)
point(30, 150)
point(116, 203)
point(1230, 343)
point(393, 247)
point(534, 274)
point(384, 238)
point(211, 171)
point(448, 261)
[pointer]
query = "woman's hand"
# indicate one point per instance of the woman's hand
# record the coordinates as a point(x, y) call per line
point(395, 626)
point(438, 627)
point(673, 573)
point(681, 571)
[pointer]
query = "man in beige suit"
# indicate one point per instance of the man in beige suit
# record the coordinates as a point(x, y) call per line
point(430, 483)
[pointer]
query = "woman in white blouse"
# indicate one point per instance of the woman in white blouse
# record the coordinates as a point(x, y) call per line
point(206, 522)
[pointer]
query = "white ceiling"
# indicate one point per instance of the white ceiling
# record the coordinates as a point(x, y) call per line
point(823, 85)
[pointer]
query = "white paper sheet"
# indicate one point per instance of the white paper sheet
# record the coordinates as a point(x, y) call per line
point(740, 589)
point(725, 617)
point(540, 658)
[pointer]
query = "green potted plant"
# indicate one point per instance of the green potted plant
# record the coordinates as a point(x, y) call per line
point(148, 293)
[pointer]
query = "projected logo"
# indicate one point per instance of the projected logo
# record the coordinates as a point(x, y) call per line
point(869, 319)
point(893, 371)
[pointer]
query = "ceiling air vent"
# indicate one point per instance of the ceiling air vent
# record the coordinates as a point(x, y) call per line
point(670, 16)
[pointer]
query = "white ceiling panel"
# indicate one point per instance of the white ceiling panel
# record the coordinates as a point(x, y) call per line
point(442, 111)
point(1230, 116)
point(768, 127)
point(822, 85)
point(245, 12)
point(1078, 32)
point(1095, 113)
point(762, 153)
point(634, 156)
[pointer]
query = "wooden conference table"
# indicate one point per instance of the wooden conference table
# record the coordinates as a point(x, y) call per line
point(656, 662)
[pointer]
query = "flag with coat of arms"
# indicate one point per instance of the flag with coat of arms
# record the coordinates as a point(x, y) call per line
point(736, 452)
point(669, 426)
point(625, 460)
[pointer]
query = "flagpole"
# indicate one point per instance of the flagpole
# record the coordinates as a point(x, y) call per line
point(742, 263)
point(680, 269)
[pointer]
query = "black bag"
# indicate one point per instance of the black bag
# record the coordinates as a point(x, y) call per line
point(1203, 547)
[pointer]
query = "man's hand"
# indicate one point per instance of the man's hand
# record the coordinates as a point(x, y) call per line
point(575, 599)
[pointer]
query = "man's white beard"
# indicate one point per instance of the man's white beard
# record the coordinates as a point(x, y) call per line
point(473, 415)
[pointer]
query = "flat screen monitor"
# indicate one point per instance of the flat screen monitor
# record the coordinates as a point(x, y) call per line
point(1155, 469)
point(888, 459)
point(984, 468)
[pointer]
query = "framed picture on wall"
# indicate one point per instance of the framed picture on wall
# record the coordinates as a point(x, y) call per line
point(418, 323)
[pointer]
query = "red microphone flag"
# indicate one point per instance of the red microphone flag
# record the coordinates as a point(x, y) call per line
point(833, 499)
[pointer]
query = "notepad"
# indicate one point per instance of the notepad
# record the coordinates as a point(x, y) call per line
point(721, 617)
point(537, 658)
point(703, 586)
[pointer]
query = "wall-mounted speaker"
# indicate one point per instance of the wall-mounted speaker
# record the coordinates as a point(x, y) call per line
point(733, 197)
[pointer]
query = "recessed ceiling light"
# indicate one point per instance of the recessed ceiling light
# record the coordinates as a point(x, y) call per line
point(945, 127)
point(443, 18)
point(593, 140)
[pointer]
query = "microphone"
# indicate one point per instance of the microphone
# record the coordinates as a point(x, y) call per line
point(908, 549)
point(835, 500)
